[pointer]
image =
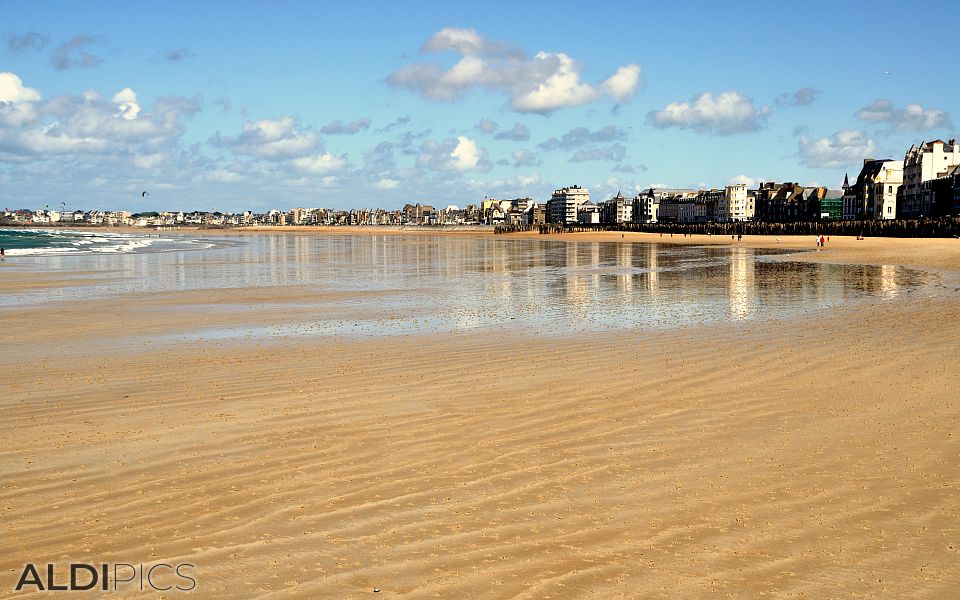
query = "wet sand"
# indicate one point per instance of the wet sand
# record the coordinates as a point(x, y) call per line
point(815, 457)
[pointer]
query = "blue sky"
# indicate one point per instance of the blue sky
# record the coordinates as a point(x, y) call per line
point(259, 105)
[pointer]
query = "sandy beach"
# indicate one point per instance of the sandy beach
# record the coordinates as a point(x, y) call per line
point(811, 457)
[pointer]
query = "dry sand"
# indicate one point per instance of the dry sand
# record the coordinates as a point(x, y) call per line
point(814, 458)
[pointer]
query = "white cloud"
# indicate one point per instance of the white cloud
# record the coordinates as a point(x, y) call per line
point(321, 163)
point(13, 91)
point(561, 89)
point(842, 149)
point(271, 139)
point(223, 176)
point(466, 155)
point(150, 161)
point(751, 182)
point(622, 84)
point(912, 117)
point(17, 102)
point(126, 101)
point(387, 184)
point(86, 124)
point(460, 154)
point(466, 42)
point(524, 158)
point(727, 113)
point(539, 84)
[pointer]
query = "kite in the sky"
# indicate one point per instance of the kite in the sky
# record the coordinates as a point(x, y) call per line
point(145, 194)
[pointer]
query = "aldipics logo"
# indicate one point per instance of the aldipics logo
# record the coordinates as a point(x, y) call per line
point(115, 577)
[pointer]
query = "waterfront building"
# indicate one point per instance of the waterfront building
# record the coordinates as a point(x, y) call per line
point(770, 201)
point(564, 204)
point(886, 186)
point(831, 206)
point(733, 204)
point(941, 194)
point(588, 213)
point(616, 210)
point(646, 206)
point(860, 200)
point(926, 162)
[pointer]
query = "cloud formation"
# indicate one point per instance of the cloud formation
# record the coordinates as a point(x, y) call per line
point(176, 55)
point(802, 97)
point(727, 113)
point(88, 124)
point(581, 136)
point(25, 42)
point(395, 124)
point(459, 154)
point(542, 83)
point(613, 152)
point(321, 163)
point(912, 117)
point(842, 149)
point(750, 182)
point(524, 158)
point(340, 128)
point(486, 126)
point(625, 168)
point(72, 55)
point(271, 139)
point(518, 133)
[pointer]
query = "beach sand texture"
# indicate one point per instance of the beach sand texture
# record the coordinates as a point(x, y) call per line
point(817, 457)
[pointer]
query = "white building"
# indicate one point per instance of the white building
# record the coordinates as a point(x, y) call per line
point(565, 203)
point(886, 185)
point(735, 204)
point(925, 162)
point(588, 213)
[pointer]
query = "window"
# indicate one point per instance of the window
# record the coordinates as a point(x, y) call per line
point(889, 209)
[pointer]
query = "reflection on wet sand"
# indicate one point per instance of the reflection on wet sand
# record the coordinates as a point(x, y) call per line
point(474, 282)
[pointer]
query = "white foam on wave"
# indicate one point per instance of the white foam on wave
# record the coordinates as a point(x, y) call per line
point(106, 242)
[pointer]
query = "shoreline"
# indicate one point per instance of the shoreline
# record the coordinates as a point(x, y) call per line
point(940, 253)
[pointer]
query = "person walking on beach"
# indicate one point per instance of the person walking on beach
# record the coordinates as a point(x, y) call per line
point(821, 242)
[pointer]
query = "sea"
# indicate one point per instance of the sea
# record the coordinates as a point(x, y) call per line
point(40, 242)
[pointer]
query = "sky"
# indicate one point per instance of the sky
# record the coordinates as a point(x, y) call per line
point(262, 105)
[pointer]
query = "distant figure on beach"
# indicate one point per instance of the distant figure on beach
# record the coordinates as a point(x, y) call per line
point(2, 252)
point(740, 237)
point(821, 242)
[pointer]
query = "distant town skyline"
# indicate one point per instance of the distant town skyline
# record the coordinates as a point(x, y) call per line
point(261, 106)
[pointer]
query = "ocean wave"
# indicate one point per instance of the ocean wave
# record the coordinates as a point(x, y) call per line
point(47, 242)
